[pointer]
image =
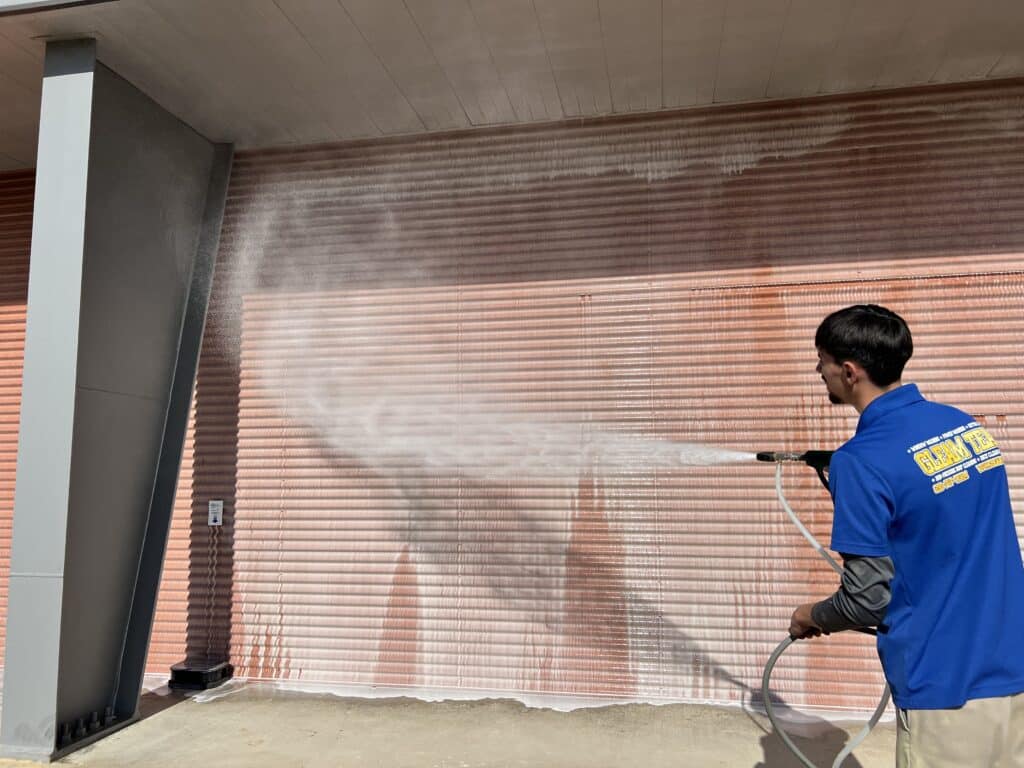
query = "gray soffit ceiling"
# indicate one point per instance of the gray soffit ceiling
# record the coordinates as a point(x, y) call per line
point(272, 72)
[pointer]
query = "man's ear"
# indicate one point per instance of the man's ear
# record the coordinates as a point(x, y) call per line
point(852, 372)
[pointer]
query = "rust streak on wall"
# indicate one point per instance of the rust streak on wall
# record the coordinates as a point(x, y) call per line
point(596, 618)
point(397, 655)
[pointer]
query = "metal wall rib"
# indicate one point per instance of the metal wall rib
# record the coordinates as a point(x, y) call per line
point(428, 334)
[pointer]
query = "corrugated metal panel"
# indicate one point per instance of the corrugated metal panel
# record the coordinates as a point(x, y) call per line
point(16, 192)
point(167, 644)
point(441, 342)
point(215, 411)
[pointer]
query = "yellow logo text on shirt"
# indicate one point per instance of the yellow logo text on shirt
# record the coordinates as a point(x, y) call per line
point(946, 458)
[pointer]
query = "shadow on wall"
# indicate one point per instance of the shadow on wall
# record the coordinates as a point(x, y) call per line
point(214, 477)
point(593, 575)
point(598, 605)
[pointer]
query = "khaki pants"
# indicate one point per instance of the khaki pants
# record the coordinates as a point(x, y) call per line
point(984, 733)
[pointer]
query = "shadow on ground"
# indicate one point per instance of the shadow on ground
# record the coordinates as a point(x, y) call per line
point(820, 747)
point(155, 701)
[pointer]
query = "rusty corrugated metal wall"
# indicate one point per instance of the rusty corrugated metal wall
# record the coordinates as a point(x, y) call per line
point(413, 342)
point(419, 339)
point(16, 192)
point(170, 624)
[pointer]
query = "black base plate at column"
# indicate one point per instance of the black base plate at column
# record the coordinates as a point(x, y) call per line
point(198, 676)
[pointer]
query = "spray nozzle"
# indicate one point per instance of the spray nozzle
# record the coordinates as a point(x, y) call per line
point(773, 457)
point(813, 459)
point(816, 460)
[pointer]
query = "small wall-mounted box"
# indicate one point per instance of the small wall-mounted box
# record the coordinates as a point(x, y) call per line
point(216, 512)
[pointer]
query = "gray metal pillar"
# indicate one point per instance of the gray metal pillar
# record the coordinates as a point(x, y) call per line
point(140, 625)
point(125, 226)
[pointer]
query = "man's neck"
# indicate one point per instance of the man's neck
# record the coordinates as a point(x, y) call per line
point(864, 397)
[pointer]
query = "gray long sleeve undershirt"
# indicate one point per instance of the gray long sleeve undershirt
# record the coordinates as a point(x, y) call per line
point(862, 598)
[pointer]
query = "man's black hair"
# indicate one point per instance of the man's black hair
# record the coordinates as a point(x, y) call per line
point(874, 337)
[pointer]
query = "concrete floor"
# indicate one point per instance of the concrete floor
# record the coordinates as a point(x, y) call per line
point(254, 726)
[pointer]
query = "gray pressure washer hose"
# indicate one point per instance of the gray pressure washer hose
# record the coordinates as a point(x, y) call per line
point(781, 648)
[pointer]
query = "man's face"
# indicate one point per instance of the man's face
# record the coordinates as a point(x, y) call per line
point(832, 374)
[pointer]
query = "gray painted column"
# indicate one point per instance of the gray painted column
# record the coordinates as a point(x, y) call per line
point(42, 487)
point(126, 197)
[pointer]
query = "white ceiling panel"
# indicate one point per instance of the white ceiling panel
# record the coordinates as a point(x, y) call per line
point(271, 72)
point(392, 33)
point(633, 47)
point(919, 51)
point(19, 143)
point(230, 59)
point(512, 33)
point(990, 28)
point(21, 59)
point(20, 102)
point(350, 64)
point(157, 70)
point(182, 84)
point(260, 26)
point(870, 31)
point(750, 46)
point(1010, 18)
point(691, 43)
point(450, 30)
point(575, 43)
point(809, 37)
point(330, 100)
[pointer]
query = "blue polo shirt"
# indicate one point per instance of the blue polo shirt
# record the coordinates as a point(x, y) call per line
point(924, 483)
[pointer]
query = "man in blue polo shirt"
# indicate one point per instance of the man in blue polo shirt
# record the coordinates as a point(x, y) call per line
point(924, 525)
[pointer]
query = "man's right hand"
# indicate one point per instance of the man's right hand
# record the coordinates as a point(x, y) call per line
point(801, 624)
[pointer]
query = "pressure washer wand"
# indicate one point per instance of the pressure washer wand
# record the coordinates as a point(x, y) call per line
point(816, 460)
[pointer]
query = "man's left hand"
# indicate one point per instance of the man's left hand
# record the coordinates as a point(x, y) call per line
point(801, 625)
